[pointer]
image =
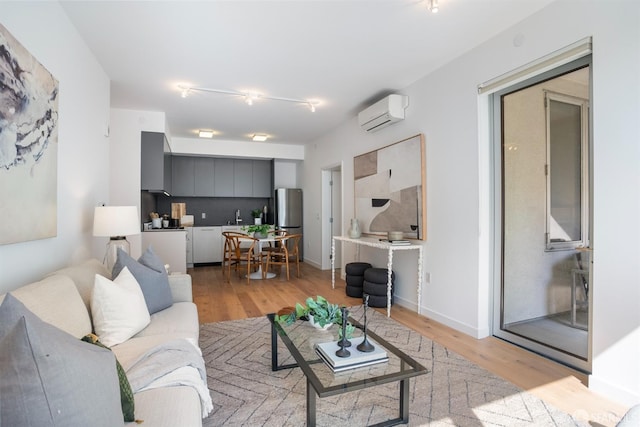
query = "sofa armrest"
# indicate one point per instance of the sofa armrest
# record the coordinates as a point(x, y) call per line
point(181, 287)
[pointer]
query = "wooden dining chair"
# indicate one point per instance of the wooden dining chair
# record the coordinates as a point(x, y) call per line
point(285, 252)
point(274, 246)
point(239, 250)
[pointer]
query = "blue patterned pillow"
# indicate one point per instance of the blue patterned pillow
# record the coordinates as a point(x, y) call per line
point(150, 273)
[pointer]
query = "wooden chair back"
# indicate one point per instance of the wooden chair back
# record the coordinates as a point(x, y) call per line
point(239, 249)
point(285, 251)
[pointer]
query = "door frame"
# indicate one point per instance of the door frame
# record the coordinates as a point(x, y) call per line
point(329, 211)
point(497, 194)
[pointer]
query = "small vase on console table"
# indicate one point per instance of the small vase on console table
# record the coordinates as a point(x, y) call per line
point(354, 231)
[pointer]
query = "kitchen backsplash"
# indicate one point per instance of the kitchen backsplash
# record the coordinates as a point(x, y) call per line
point(217, 210)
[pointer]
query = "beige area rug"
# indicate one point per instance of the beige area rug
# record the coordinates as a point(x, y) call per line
point(455, 392)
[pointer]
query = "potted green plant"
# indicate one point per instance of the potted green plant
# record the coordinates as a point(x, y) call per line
point(257, 216)
point(320, 312)
point(259, 230)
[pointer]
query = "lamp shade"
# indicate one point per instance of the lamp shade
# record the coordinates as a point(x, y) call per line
point(109, 221)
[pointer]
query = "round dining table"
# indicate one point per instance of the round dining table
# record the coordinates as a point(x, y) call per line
point(257, 275)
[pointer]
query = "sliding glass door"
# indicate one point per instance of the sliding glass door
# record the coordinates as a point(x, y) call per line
point(542, 175)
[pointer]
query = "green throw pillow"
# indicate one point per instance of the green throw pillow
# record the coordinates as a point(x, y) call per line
point(126, 394)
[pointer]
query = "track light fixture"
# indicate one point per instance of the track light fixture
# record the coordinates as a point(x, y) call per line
point(432, 5)
point(249, 97)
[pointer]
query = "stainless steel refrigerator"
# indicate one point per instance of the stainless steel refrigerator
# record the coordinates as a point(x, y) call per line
point(289, 212)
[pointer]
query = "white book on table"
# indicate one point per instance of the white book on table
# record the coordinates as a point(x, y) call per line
point(357, 359)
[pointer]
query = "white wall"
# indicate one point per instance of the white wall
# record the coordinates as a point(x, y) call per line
point(83, 150)
point(126, 128)
point(222, 148)
point(446, 108)
point(285, 173)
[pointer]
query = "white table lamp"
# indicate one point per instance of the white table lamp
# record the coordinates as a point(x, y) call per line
point(115, 222)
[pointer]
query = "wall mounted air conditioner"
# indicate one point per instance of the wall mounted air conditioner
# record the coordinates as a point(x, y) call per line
point(383, 113)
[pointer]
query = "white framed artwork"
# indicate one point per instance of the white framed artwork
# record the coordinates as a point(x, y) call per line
point(28, 145)
point(390, 189)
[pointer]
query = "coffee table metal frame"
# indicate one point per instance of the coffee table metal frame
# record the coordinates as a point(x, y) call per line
point(315, 388)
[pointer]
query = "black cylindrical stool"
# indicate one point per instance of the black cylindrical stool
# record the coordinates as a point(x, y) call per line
point(375, 284)
point(355, 278)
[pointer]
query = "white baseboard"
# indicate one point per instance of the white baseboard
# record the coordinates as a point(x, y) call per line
point(613, 392)
point(313, 263)
point(403, 302)
point(452, 323)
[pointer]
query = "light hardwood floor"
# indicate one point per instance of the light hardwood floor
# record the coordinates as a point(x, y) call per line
point(562, 387)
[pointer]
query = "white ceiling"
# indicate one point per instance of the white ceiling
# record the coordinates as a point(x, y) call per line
point(346, 54)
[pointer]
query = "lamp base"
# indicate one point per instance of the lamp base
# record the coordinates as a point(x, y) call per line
point(115, 243)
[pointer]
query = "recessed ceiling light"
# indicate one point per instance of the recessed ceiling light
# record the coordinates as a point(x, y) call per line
point(205, 134)
point(259, 137)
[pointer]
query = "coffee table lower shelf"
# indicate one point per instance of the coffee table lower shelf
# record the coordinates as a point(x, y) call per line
point(313, 393)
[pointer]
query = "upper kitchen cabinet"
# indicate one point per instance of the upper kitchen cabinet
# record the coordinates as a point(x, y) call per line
point(262, 178)
point(252, 178)
point(155, 167)
point(193, 176)
point(243, 178)
point(182, 176)
point(223, 178)
point(204, 176)
point(211, 177)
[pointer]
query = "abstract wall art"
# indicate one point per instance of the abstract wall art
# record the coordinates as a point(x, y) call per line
point(28, 145)
point(390, 189)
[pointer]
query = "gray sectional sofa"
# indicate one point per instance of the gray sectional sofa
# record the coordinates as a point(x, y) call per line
point(63, 299)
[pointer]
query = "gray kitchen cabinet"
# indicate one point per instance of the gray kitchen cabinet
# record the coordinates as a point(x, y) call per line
point(155, 165)
point(207, 244)
point(211, 177)
point(204, 174)
point(223, 178)
point(262, 172)
point(183, 177)
point(243, 178)
point(193, 176)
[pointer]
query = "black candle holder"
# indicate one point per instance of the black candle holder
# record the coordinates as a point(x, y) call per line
point(342, 352)
point(343, 341)
point(365, 346)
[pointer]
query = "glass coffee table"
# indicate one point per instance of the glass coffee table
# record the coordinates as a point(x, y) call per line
point(301, 338)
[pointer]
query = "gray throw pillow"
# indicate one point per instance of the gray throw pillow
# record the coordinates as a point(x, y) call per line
point(50, 378)
point(150, 273)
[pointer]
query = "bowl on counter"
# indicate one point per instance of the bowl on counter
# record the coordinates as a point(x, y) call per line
point(395, 235)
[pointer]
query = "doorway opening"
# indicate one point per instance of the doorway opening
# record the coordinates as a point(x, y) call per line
point(331, 214)
point(543, 214)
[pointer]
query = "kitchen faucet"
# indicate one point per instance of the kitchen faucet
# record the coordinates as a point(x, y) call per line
point(238, 219)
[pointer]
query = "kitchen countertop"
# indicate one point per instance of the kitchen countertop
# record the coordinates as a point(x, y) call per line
point(208, 225)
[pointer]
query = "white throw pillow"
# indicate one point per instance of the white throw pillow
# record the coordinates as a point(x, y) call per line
point(118, 308)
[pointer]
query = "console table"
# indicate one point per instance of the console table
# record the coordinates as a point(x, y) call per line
point(376, 243)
